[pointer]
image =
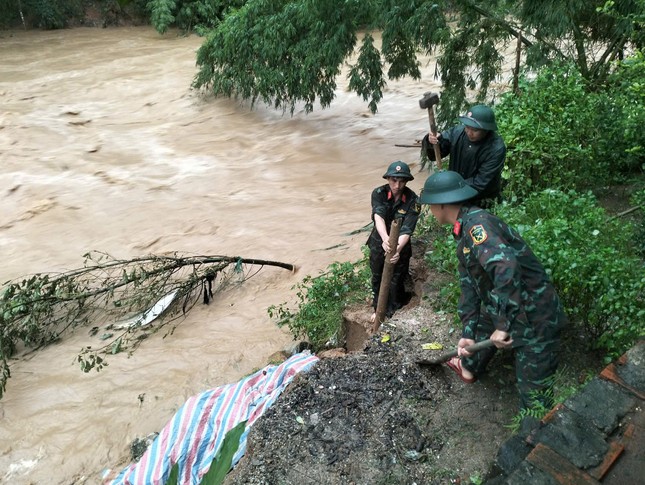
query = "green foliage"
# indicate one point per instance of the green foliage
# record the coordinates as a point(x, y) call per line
point(286, 52)
point(221, 463)
point(443, 258)
point(561, 135)
point(622, 117)
point(279, 52)
point(563, 385)
point(550, 130)
point(51, 14)
point(321, 301)
point(189, 15)
point(592, 260)
point(638, 200)
point(366, 76)
point(161, 14)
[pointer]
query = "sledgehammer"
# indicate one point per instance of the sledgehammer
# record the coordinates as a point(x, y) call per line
point(427, 102)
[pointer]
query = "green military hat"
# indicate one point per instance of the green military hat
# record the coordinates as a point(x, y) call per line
point(446, 188)
point(398, 169)
point(480, 117)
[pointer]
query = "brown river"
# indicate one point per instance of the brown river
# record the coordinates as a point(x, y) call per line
point(104, 146)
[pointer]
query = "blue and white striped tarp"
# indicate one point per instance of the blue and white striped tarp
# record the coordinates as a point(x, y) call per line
point(195, 434)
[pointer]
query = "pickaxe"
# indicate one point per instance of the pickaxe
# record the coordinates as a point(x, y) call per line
point(427, 102)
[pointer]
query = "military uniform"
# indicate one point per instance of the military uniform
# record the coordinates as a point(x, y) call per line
point(407, 209)
point(504, 287)
point(479, 163)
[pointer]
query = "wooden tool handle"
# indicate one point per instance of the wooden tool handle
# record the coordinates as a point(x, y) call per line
point(449, 355)
point(433, 129)
point(386, 276)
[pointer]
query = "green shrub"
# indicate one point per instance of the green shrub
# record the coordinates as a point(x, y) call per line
point(443, 258)
point(550, 129)
point(561, 134)
point(622, 116)
point(321, 301)
point(52, 14)
point(638, 200)
point(189, 15)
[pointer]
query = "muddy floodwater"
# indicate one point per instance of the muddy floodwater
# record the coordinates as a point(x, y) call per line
point(104, 146)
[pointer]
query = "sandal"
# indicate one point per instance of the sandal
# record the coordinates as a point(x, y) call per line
point(455, 365)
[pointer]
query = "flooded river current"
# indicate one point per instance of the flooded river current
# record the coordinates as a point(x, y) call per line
point(104, 146)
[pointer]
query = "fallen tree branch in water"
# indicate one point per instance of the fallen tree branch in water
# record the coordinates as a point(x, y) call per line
point(42, 308)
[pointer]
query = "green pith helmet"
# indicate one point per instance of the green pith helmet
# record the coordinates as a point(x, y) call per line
point(446, 188)
point(480, 117)
point(398, 169)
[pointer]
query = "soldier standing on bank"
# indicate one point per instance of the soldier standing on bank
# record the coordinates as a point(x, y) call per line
point(506, 295)
point(392, 201)
point(477, 152)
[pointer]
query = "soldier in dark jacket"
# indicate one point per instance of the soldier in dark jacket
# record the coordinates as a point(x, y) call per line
point(392, 201)
point(506, 295)
point(476, 152)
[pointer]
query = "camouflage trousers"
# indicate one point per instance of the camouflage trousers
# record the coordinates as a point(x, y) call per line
point(536, 362)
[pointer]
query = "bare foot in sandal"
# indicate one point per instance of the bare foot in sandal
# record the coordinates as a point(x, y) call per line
point(463, 373)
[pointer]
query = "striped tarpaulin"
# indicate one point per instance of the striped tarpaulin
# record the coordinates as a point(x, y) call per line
point(194, 435)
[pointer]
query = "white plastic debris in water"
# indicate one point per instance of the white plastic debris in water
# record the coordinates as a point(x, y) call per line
point(20, 468)
point(151, 314)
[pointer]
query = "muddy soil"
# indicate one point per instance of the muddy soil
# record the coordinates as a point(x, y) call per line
point(374, 416)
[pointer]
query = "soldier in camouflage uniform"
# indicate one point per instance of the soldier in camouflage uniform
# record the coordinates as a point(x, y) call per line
point(392, 201)
point(506, 295)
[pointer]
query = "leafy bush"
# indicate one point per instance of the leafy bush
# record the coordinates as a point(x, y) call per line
point(189, 15)
point(443, 258)
point(622, 116)
point(561, 134)
point(321, 301)
point(51, 14)
point(638, 200)
point(550, 129)
point(161, 14)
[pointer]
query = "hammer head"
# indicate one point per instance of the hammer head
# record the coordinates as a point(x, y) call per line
point(429, 100)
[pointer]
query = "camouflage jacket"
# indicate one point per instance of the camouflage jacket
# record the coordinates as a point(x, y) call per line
point(406, 208)
point(500, 275)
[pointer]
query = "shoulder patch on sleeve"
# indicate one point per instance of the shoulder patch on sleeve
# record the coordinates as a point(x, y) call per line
point(478, 234)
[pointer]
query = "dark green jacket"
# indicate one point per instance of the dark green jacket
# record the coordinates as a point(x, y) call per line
point(480, 164)
point(500, 275)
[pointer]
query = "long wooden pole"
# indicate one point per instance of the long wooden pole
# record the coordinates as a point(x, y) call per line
point(386, 277)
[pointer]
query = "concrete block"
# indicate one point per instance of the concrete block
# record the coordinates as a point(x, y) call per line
point(512, 453)
point(633, 370)
point(526, 474)
point(572, 437)
point(601, 403)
